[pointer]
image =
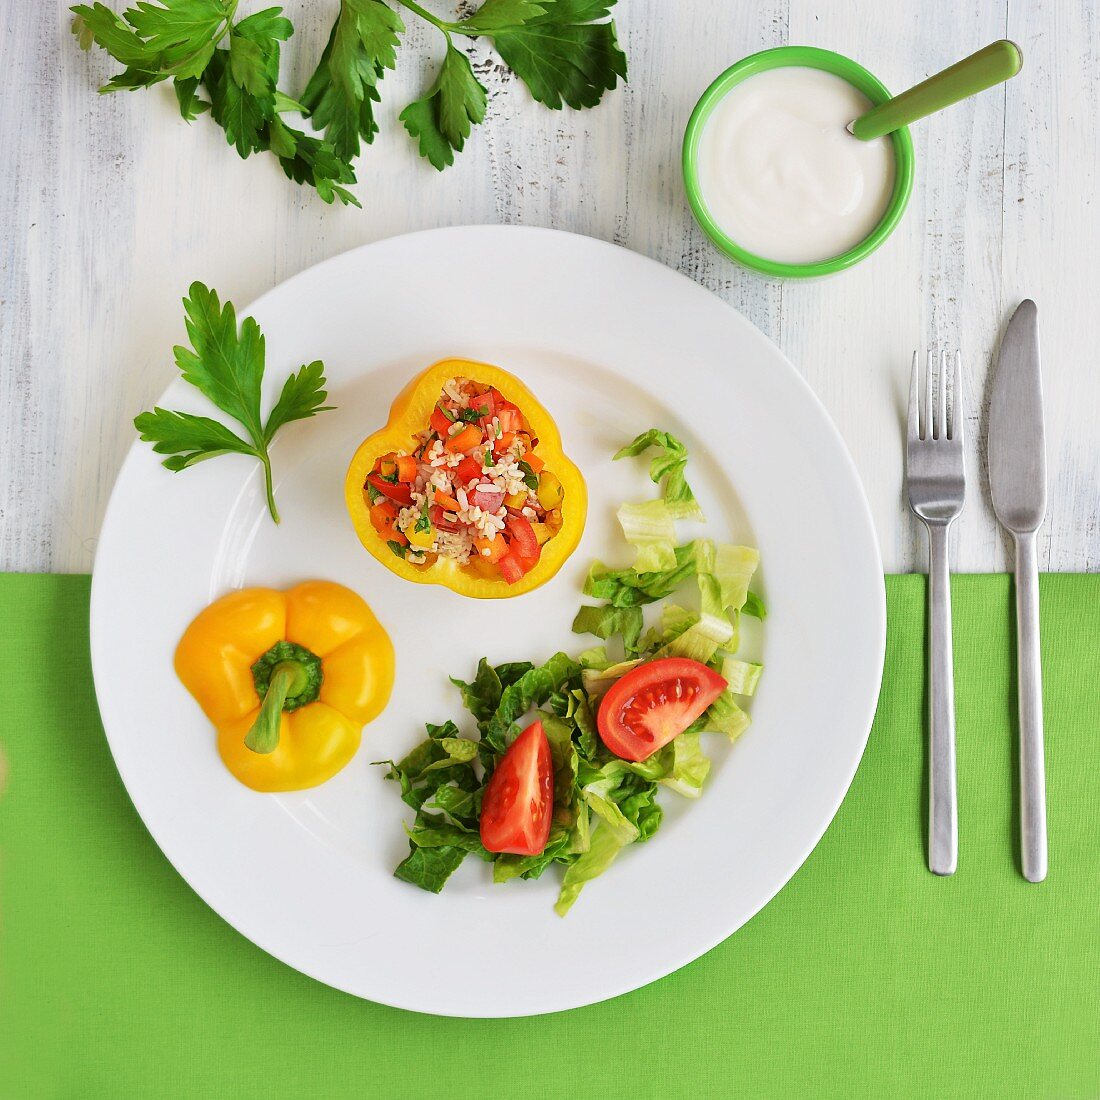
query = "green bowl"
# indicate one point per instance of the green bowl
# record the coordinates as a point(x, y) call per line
point(812, 58)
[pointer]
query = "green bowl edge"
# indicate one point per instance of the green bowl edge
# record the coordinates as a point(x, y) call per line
point(806, 57)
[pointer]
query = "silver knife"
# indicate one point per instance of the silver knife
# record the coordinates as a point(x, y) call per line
point(1018, 484)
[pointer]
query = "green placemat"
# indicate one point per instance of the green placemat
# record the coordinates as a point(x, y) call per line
point(866, 976)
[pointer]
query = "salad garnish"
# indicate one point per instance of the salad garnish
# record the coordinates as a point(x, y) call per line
point(565, 52)
point(616, 726)
point(227, 366)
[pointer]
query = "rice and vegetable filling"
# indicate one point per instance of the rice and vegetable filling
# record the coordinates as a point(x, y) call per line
point(473, 487)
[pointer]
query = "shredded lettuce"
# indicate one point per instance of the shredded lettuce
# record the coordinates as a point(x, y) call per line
point(725, 716)
point(596, 796)
point(531, 689)
point(741, 676)
point(713, 618)
point(649, 529)
point(754, 606)
point(597, 681)
point(674, 621)
point(607, 621)
point(697, 643)
point(733, 569)
point(596, 657)
point(669, 464)
point(605, 846)
point(690, 766)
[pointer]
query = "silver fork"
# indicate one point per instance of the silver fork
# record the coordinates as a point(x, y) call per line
point(936, 480)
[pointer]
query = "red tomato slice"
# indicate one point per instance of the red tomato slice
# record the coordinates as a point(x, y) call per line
point(401, 493)
point(510, 568)
point(519, 797)
point(523, 541)
point(510, 419)
point(529, 563)
point(483, 405)
point(441, 425)
point(467, 470)
point(653, 703)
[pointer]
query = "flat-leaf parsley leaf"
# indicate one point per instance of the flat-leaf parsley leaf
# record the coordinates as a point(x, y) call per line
point(226, 364)
point(565, 51)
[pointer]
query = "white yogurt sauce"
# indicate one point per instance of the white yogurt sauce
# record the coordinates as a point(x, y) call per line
point(780, 173)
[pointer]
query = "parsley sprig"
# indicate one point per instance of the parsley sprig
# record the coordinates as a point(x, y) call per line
point(226, 364)
point(565, 51)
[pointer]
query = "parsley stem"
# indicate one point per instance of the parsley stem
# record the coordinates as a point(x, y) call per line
point(265, 458)
point(427, 15)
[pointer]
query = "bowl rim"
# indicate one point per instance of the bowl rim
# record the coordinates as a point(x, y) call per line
point(796, 57)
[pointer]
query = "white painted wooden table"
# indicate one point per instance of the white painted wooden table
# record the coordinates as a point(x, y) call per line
point(112, 205)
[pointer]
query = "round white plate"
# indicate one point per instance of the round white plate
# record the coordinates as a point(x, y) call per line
point(612, 343)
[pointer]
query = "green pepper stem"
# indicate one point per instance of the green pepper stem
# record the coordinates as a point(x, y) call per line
point(287, 678)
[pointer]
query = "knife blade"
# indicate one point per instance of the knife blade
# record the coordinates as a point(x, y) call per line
point(1017, 482)
point(1017, 439)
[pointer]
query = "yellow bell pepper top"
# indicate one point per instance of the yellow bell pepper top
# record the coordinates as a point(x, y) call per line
point(288, 680)
point(410, 413)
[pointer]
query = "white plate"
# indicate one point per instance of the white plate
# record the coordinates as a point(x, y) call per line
point(612, 343)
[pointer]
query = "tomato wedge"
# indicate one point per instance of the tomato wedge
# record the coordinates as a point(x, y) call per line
point(653, 703)
point(519, 797)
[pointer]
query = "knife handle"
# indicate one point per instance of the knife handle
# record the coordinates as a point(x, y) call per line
point(943, 809)
point(1033, 794)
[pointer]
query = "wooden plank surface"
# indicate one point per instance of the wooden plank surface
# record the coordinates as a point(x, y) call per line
point(112, 205)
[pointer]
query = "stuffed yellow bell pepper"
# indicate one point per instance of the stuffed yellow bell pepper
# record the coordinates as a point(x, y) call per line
point(288, 679)
point(467, 485)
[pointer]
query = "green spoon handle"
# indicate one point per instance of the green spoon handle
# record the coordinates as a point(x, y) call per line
point(996, 63)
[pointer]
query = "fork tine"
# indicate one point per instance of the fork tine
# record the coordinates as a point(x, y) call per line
point(941, 404)
point(929, 373)
point(957, 416)
point(914, 402)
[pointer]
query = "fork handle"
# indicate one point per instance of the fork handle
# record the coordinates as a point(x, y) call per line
point(1033, 795)
point(943, 810)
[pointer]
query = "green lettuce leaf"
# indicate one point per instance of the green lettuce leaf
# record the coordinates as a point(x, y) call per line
point(427, 833)
point(697, 643)
point(754, 606)
point(626, 587)
point(741, 676)
point(650, 530)
point(690, 766)
point(481, 696)
point(507, 866)
point(597, 680)
point(441, 760)
point(725, 716)
point(429, 868)
point(733, 569)
point(669, 464)
point(596, 657)
point(531, 689)
point(606, 844)
point(713, 618)
point(609, 620)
